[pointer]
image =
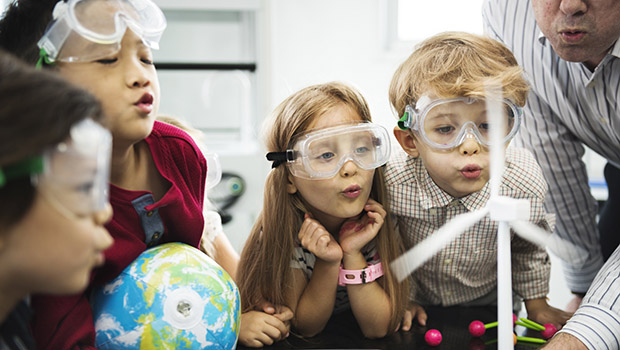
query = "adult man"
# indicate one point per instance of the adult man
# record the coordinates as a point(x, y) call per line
point(570, 52)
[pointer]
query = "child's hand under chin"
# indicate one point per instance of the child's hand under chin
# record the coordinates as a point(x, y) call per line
point(356, 233)
point(314, 237)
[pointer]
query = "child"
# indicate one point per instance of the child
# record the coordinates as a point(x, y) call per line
point(157, 172)
point(440, 91)
point(214, 241)
point(54, 168)
point(322, 221)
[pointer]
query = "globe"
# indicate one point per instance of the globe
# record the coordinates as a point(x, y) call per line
point(172, 296)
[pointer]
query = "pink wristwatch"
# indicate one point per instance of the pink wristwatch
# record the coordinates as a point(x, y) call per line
point(369, 274)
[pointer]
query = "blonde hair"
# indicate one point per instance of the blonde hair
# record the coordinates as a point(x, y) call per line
point(265, 270)
point(457, 64)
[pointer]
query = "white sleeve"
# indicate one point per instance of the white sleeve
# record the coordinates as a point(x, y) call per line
point(213, 225)
point(597, 321)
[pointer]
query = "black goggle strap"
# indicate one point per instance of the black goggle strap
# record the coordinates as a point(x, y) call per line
point(23, 168)
point(280, 157)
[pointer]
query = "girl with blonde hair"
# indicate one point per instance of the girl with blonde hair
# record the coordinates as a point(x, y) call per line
point(323, 241)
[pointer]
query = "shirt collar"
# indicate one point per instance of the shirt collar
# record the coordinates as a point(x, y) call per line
point(541, 37)
point(615, 50)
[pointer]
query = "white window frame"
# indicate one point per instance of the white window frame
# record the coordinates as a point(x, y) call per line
point(389, 17)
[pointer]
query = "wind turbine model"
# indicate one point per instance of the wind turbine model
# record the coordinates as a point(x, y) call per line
point(508, 212)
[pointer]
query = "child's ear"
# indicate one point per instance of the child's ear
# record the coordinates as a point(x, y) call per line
point(405, 138)
point(290, 186)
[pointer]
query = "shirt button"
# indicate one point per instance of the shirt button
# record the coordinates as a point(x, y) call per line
point(149, 213)
point(448, 294)
point(602, 120)
point(156, 235)
point(454, 203)
point(447, 261)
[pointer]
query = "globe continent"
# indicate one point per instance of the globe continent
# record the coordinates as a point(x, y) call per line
point(172, 296)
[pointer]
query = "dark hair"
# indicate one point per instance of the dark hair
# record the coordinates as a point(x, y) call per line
point(37, 110)
point(23, 24)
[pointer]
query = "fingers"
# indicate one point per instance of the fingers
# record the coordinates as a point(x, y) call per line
point(420, 315)
point(407, 320)
point(267, 307)
point(312, 234)
point(285, 314)
point(314, 237)
point(376, 207)
point(259, 329)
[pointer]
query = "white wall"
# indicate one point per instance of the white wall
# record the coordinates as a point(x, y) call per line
point(319, 41)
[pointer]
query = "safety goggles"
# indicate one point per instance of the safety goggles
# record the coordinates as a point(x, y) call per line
point(214, 170)
point(87, 30)
point(445, 123)
point(75, 174)
point(320, 154)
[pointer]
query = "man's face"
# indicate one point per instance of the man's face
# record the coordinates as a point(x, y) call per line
point(579, 31)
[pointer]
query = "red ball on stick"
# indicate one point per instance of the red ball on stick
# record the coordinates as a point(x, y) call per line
point(549, 331)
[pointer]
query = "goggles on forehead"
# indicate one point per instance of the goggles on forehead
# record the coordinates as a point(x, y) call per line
point(75, 175)
point(86, 30)
point(445, 123)
point(320, 154)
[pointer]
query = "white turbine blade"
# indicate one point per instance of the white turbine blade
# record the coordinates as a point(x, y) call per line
point(563, 249)
point(531, 232)
point(416, 256)
point(496, 125)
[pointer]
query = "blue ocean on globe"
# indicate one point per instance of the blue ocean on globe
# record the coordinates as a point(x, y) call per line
point(172, 296)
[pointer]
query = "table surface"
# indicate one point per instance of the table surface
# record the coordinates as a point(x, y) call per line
point(342, 332)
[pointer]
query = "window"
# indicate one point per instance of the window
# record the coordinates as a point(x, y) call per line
point(411, 21)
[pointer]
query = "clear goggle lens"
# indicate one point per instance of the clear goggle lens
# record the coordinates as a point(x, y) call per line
point(76, 172)
point(214, 170)
point(86, 30)
point(321, 154)
point(445, 124)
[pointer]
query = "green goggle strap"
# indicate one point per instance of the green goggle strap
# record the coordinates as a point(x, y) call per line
point(22, 168)
point(403, 121)
point(43, 56)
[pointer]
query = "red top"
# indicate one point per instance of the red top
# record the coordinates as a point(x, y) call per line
point(66, 322)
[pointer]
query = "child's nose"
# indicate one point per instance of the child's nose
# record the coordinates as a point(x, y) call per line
point(348, 169)
point(136, 74)
point(104, 215)
point(470, 145)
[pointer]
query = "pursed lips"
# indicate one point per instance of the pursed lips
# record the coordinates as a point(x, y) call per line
point(145, 103)
point(471, 171)
point(352, 191)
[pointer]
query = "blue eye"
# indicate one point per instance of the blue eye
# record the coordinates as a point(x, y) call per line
point(362, 149)
point(483, 126)
point(326, 156)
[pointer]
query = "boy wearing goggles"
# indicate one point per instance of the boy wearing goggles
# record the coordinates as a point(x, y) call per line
point(157, 172)
point(438, 93)
point(54, 172)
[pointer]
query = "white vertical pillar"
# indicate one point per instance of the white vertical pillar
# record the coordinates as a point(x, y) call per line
point(504, 289)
